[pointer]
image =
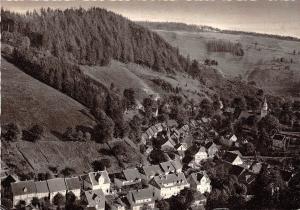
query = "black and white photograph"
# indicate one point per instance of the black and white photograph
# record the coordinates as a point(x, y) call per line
point(150, 105)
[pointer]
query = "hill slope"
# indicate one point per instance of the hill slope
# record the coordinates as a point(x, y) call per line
point(260, 52)
point(28, 101)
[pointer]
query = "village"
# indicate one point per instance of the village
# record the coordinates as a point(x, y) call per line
point(182, 162)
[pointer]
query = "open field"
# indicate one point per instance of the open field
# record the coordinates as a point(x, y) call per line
point(257, 63)
point(140, 79)
point(28, 101)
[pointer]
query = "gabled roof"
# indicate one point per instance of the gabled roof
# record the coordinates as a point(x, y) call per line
point(95, 197)
point(230, 157)
point(73, 183)
point(41, 187)
point(93, 177)
point(201, 149)
point(170, 180)
point(183, 145)
point(142, 194)
point(167, 166)
point(197, 177)
point(236, 170)
point(247, 177)
point(177, 165)
point(132, 174)
point(152, 170)
point(57, 184)
point(210, 144)
point(23, 188)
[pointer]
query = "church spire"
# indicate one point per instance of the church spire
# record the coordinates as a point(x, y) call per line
point(264, 109)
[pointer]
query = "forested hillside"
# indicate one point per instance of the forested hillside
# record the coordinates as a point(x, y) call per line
point(93, 37)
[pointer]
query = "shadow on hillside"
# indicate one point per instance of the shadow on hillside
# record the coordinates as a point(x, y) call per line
point(58, 135)
point(105, 151)
point(87, 113)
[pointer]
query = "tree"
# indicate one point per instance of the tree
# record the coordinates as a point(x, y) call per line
point(269, 123)
point(12, 132)
point(37, 131)
point(100, 165)
point(7, 203)
point(35, 202)
point(67, 171)
point(163, 205)
point(129, 97)
point(103, 131)
point(59, 200)
point(249, 148)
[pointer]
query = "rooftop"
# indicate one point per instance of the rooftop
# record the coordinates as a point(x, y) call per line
point(57, 184)
point(152, 170)
point(132, 174)
point(23, 187)
point(41, 187)
point(95, 197)
point(73, 183)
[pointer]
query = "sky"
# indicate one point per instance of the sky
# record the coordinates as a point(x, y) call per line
point(280, 17)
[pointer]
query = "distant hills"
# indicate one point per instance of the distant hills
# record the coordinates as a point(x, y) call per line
point(174, 26)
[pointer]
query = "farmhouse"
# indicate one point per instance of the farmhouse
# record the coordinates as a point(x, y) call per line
point(279, 142)
point(73, 185)
point(212, 149)
point(95, 198)
point(24, 190)
point(42, 190)
point(138, 199)
point(200, 182)
point(168, 185)
point(232, 158)
point(200, 155)
point(97, 180)
point(56, 186)
point(128, 177)
point(167, 167)
point(151, 171)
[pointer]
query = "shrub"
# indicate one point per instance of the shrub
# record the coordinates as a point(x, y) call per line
point(12, 132)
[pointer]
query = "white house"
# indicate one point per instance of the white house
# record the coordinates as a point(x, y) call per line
point(56, 186)
point(128, 177)
point(200, 155)
point(73, 185)
point(232, 158)
point(23, 191)
point(95, 198)
point(42, 190)
point(138, 199)
point(200, 182)
point(97, 180)
point(168, 185)
point(212, 149)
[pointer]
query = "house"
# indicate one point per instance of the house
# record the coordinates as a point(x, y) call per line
point(256, 167)
point(95, 198)
point(23, 191)
point(182, 147)
point(167, 167)
point(200, 155)
point(168, 185)
point(73, 185)
point(138, 199)
point(42, 190)
point(97, 180)
point(236, 170)
point(150, 171)
point(114, 203)
point(232, 158)
point(56, 186)
point(199, 201)
point(200, 182)
point(211, 149)
point(128, 177)
point(279, 142)
point(168, 145)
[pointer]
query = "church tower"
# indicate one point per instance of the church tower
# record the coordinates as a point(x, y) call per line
point(264, 109)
